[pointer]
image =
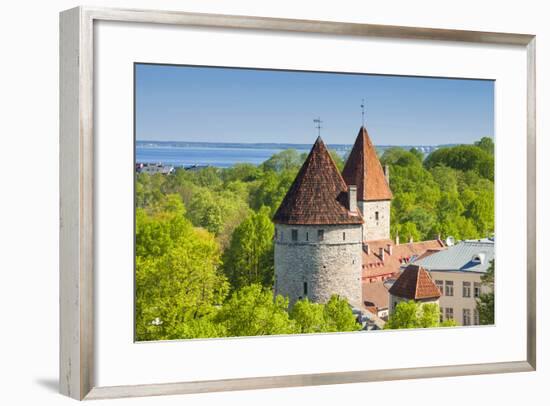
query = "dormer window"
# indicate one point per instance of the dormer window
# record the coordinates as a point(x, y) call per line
point(479, 258)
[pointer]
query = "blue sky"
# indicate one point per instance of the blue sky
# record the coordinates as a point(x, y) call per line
point(245, 105)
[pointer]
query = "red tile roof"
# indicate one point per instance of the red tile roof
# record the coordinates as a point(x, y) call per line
point(402, 254)
point(415, 283)
point(318, 195)
point(364, 170)
point(375, 294)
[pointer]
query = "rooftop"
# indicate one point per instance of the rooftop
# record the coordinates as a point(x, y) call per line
point(415, 283)
point(318, 195)
point(402, 254)
point(465, 256)
point(363, 169)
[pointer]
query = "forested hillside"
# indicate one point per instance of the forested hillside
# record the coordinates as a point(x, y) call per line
point(204, 250)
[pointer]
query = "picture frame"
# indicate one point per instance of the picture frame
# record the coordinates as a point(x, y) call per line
point(77, 185)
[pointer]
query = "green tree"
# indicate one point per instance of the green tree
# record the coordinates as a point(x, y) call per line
point(337, 158)
point(417, 153)
point(271, 189)
point(309, 317)
point(252, 311)
point(412, 314)
point(204, 211)
point(288, 159)
point(486, 301)
point(249, 257)
point(464, 158)
point(481, 210)
point(177, 274)
point(486, 144)
point(338, 315)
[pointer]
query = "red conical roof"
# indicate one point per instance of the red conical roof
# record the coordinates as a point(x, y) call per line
point(415, 283)
point(363, 169)
point(318, 195)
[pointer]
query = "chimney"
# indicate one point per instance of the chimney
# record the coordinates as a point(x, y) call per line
point(381, 253)
point(387, 173)
point(352, 198)
point(397, 239)
point(390, 249)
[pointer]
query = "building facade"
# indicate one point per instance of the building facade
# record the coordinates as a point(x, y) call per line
point(457, 273)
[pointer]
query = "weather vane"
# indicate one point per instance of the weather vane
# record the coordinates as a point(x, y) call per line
point(318, 122)
point(363, 112)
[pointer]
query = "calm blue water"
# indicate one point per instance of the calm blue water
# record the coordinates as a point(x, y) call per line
point(221, 157)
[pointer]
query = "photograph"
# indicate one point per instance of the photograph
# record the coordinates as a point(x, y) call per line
point(277, 202)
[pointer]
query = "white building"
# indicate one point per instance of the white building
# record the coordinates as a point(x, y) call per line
point(457, 272)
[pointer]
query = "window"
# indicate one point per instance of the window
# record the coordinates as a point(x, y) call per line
point(441, 315)
point(466, 317)
point(449, 288)
point(305, 288)
point(476, 317)
point(276, 233)
point(344, 236)
point(477, 289)
point(307, 236)
point(321, 235)
point(439, 285)
point(376, 215)
point(294, 235)
point(449, 313)
point(466, 289)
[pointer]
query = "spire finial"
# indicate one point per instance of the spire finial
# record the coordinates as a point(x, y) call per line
point(363, 112)
point(318, 122)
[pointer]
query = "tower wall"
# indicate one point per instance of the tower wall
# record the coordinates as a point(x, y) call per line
point(375, 228)
point(331, 266)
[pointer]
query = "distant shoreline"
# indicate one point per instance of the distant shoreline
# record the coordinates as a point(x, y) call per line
point(270, 145)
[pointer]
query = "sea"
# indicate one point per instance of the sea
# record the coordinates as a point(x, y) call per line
point(219, 154)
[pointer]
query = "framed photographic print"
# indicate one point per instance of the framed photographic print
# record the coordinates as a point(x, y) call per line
point(276, 197)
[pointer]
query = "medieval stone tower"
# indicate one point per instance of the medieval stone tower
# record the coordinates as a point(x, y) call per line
point(318, 234)
point(373, 192)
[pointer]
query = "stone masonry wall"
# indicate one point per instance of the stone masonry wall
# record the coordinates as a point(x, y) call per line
point(374, 229)
point(331, 266)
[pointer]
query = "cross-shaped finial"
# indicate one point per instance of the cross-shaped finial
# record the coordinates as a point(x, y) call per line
point(318, 122)
point(363, 112)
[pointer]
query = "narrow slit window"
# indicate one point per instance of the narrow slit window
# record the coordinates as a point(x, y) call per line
point(321, 235)
point(376, 215)
point(294, 235)
point(305, 288)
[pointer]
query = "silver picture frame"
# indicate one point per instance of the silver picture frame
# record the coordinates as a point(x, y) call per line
point(76, 374)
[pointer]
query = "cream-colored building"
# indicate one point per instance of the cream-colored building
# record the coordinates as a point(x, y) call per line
point(457, 272)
